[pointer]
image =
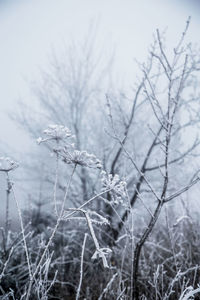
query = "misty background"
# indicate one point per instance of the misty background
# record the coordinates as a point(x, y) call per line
point(34, 30)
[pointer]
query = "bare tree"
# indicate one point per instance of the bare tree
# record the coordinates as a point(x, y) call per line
point(166, 92)
point(70, 93)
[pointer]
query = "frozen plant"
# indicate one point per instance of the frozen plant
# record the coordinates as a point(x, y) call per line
point(113, 182)
point(55, 133)
point(61, 133)
point(82, 158)
point(100, 219)
point(99, 252)
point(7, 164)
point(102, 253)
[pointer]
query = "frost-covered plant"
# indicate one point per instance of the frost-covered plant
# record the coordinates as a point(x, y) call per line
point(82, 158)
point(116, 185)
point(102, 253)
point(100, 219)
point(69, 156)
point(55, 133)
point(60, 133)
point(7, 164)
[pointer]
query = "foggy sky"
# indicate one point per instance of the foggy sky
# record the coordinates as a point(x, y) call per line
point(29, 29)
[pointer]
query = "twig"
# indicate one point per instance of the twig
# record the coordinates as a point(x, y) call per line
point(81, 269)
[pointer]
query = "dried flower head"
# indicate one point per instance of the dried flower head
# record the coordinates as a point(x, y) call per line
point(113, 183)
point(7, 164)
point(55, 133)
point(81, 158)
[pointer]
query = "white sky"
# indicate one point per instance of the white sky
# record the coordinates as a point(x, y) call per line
point(29, 29)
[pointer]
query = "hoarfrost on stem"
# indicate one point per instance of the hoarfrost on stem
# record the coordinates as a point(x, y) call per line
point(7, 164)
point(102, 253)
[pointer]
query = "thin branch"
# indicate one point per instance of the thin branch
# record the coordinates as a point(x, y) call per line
point(181, 191)
point(81, 269)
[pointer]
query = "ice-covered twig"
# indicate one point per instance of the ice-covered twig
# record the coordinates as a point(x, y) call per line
point(7, 164)
point(81, 269)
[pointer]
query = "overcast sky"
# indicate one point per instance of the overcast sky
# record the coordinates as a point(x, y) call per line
point(29, 29)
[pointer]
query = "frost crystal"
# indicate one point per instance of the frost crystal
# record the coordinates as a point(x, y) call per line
point(7, 164)
point(113, 183)
point(81, 158)
point(56, 133)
